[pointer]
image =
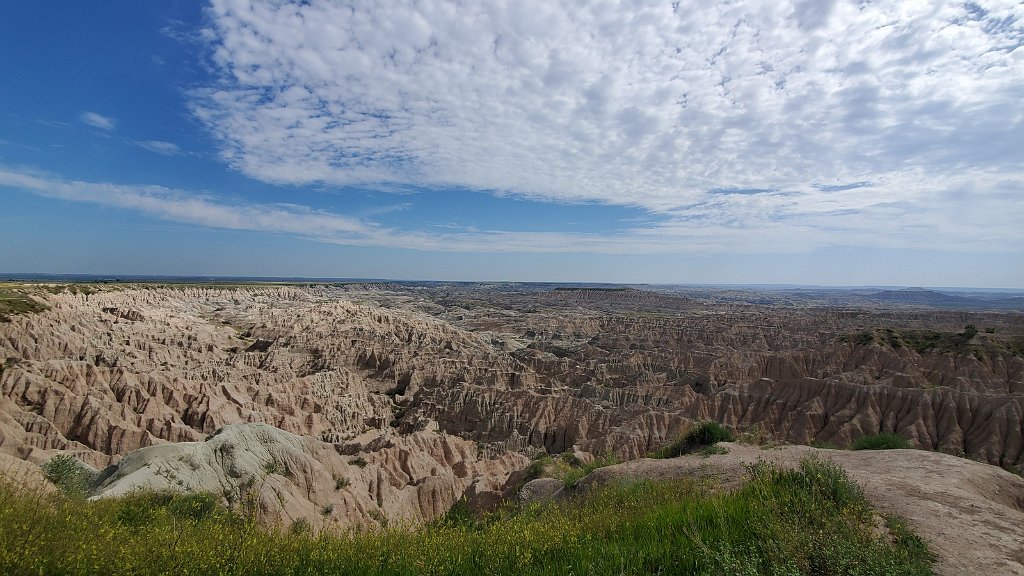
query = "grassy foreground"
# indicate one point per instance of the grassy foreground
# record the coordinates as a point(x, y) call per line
point(808, 521)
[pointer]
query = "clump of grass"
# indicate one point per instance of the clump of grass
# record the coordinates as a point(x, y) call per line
point(825, 445)
point(712, 450)
point(704, 435)
point(358, 461)
point(566, 467)
point(1013, 470)
point(69, 475)
point(881, 441)
point(274, 466)
point(540, 463)
point(811, 520)
point(573, 476)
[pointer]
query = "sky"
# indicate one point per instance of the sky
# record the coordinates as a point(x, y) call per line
point(801, 142)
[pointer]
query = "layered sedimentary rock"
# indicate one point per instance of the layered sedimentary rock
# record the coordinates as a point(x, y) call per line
point(500, 371)
point(390, 480)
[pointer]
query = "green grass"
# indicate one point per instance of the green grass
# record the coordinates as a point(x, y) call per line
point(69, 475)
point(572, 476)
point(700, 439)
point(812, 520)
point(15, 301)
point(881, 441)
point(565, 467)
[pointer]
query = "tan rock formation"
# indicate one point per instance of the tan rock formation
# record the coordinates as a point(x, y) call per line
point(390, 480)
point(499, 371)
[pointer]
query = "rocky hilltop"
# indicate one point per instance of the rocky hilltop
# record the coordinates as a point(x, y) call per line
point(406, 398)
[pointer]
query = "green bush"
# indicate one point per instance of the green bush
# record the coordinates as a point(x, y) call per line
point(704, 435)
point(69, 475)
point(881, 441)
point(541, 462)
point(194, 506)
point(573, 476)
point(145, 507)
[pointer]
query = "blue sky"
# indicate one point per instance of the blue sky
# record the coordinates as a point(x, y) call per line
point(813, 142)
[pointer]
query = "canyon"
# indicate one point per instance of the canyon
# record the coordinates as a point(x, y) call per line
point(361, 404)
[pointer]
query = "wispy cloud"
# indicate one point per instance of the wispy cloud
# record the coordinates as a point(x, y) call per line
point(159, 146)
point(182, 206)
point(97, 120)
point(841, 187)
point(727, 224)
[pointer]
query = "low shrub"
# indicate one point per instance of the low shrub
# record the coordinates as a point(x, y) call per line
point(194, 505)
point(69, 475)
point(142, 508)
point(704, 435)
point(573, 476)
point(881, 441)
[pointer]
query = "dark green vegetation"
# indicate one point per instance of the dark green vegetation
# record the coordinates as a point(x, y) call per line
point(17, 300)
point(572, 476)
point(71, 289)
point(922, 341)
point(565, 467)
point(881, 441)
point(702, 438)
point(69, 475)
point(813, 520)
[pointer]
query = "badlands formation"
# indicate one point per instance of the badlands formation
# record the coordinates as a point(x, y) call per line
point(366, 404)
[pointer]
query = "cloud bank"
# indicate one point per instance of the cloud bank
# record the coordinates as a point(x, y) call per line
point(834, 116)
point(644, 103)
point(740, 127)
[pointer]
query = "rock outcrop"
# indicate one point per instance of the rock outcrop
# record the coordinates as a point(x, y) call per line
point(392, 480)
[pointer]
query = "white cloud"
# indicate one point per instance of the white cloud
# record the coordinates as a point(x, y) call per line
point(98, 120)
point(160, 147)
point(741, 127)
point(182, 206)
point(732, 223)
point(647, 104)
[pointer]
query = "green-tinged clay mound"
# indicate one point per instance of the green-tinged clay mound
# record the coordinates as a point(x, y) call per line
point(812, 520)
point(15, 300)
